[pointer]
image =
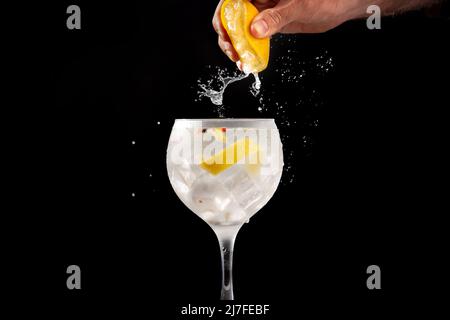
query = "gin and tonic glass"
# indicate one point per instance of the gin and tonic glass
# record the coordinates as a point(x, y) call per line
point(225, 170)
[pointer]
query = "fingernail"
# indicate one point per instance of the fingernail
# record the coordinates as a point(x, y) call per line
point(228, 53)
point(260, 28)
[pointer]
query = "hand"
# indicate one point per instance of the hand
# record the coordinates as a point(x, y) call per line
point(307, 16)
point(286, 16)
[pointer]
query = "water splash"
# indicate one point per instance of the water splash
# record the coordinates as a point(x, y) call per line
point(216, 96)
point(214, 88)
point(256, 86)
point(297, 115)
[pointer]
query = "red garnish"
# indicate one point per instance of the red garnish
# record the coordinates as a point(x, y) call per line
point(224, 129)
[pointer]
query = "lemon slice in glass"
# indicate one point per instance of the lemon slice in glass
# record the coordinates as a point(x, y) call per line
point(244, 150)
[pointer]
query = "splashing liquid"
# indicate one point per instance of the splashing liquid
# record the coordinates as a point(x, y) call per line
point(295, 71)
point(216, 96)
point(256, 86)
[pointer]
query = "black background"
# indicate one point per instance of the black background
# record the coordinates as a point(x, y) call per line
point(368, 189)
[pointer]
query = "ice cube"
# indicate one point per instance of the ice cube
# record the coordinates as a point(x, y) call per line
point(234, 213)
point(208, 194)
point(242, 187)
point(207, 216)
point(179, 184)
point(186, 173)
point(249, 198)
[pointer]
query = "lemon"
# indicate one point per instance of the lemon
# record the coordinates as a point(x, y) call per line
point(231, 155)
point(237, 16)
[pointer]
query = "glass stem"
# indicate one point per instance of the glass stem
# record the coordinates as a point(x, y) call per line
point(226, 236)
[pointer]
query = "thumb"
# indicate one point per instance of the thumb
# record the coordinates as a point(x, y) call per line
point(270, 21)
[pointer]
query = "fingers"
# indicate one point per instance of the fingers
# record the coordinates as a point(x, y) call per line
point(271, 21)
point(224, 39)
point(217, 23)
point(228, 49)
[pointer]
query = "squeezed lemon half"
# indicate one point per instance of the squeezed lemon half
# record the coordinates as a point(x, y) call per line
point(237, 16)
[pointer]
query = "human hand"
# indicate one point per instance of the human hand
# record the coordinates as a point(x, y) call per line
point(308, 16)
point(287, 16)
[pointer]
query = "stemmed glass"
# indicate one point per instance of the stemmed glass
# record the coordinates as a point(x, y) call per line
point(225, 170)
